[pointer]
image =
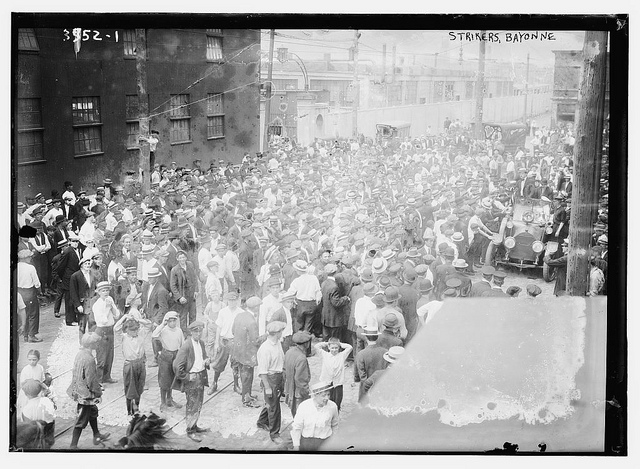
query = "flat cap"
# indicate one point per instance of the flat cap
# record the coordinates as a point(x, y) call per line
point(196, 325)
point(275, 327)
point(301, 337)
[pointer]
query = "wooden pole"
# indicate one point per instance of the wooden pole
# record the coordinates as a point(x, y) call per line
point(356, 86)
point(586, 160)
point(143, 109)
point(480, 90)
point(267, 103)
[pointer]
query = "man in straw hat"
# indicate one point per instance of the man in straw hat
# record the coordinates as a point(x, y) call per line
point(85, 389)
point(82, 287)
point(306, 433)
point(369, 359)
point(270, 359)
point(308, 295)
point(391, 357)
point(190, 368)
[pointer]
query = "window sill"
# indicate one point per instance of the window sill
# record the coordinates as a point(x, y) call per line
point(26, 163)
point(181, 143)
point(87, 124)
point(133, 148)
point(95, 153)
point(177, 118)
point(215, 61)
point(215, 138)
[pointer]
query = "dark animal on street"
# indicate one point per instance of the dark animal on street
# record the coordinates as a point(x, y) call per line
point(144, 432)
point(35, 434)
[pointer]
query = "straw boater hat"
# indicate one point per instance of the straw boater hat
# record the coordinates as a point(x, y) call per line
point(320, 387)
point(393, 354)
point(300, 265)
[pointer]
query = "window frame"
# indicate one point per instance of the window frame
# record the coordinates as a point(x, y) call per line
point(132, 116)
point(126, 41)
point(81, 126)
point(210, 48)
point(179, 113)
point(29, 33)
point(26, 127)
point(214, 114)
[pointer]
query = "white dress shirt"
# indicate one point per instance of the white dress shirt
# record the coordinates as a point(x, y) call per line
point(314, 422)
point(198, 363)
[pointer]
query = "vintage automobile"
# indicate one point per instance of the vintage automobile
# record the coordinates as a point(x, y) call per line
point(519, 241)
point(508, 136)
point(393, 129)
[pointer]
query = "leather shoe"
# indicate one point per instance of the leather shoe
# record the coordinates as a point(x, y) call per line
point(277, 440)
point(237, 389)
point(251, 403)
point(201, 430)
point(35, 339)
point(174, 404)
point(100, 438)
point(213, 388)
point(110, 381)
point(194, 437)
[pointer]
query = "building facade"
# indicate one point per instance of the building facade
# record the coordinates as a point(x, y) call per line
point(566, 85)
point(76, 106)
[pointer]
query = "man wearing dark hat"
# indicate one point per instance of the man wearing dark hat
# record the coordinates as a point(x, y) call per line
point(245, 347)
point(190, 366)
point(335, 315)
point(369, 359)
point(443, 272)
point(297, 374)
point(560, 264)
point(40, 246)
point(68, 265)
point(484, 283)
point(270, 359)
point(408, 303)
point(391, 356)
point(184, 288)
point(389, 336)
point(28, 285)
point(496, 287)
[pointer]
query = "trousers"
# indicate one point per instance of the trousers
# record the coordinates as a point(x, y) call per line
point(32, 311)
point(104, 353)
point(194, 392)
point(271, 414)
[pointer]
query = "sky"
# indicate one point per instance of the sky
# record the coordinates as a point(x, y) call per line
point(313, 44)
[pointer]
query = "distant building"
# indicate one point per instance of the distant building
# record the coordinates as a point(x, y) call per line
point(566, 84)
point(76, 112)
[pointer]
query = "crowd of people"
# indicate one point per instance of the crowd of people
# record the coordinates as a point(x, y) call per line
point(353, 242)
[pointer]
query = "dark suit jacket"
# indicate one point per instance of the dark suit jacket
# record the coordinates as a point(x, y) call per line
point(297, 375)
point(58, 236)
point(184, 361)
point(479, 287)
point(334, 313)
point(80, 290)
point(69, 264)
point(387, 340)
point(158, 303)
point(183, 283)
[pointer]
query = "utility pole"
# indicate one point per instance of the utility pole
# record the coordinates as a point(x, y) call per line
point(267, 103)
point(143, 108)
point(587, 159)
point(480, 90)
point(526, 92)
point(356, 85)
point(384, 74)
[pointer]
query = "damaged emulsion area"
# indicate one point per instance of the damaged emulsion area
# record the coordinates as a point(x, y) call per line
point(483, 361)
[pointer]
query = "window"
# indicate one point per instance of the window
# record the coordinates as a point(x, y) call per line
point(180, 118)
point(27, 39)
point(214, 48)
point(215, 115)
point(129, 41)
point(133, 130)
point(30, 148)
point(87, 125)
point(132, 112)
point(412, 92)
point(448, 92)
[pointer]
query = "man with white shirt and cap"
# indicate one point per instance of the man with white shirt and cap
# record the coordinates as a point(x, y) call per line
point(307, 294)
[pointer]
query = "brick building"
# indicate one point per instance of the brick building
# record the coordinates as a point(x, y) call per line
point(76, 109)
